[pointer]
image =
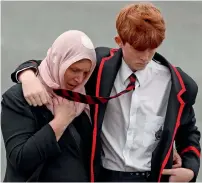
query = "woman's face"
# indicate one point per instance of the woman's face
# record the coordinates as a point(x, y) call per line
point(77, 73)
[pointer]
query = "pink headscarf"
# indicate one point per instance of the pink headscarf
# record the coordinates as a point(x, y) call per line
point(68, 48)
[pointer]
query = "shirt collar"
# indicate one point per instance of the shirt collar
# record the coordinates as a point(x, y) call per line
point(125, 72)
point(141, 75)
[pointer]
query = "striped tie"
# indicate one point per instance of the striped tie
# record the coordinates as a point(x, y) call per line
point(87, 99)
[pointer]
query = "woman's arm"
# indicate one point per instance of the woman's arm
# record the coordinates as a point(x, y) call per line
point(26, 146)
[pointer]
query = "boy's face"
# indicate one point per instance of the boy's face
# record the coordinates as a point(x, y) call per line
point(136, 60)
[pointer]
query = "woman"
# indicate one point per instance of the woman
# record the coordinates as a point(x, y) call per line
point(47, 143)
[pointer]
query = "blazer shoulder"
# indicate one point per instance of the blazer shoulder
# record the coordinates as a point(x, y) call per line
point(13, 98)
point(190, 85)
point(102, 52)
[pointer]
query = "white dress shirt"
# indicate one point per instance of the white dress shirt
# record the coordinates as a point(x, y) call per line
point(132, 120)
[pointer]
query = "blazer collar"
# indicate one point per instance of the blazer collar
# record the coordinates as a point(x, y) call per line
point(109, 72)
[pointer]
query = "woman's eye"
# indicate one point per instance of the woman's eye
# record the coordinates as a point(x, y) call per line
point(74, 70)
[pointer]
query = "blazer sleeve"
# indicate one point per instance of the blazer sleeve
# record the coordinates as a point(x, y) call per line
point(188, 144)
point(188, 136)
point(30, 64)
point(27, 145)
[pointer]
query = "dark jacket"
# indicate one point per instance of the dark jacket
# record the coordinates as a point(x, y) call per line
point(180, 122)
point(32, 152)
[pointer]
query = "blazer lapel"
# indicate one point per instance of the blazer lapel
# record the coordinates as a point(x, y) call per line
point(172, 120)
point(165, 142)
point(109, 72)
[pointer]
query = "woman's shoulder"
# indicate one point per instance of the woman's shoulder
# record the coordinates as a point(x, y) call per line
point(13, 98)
point(15, 93)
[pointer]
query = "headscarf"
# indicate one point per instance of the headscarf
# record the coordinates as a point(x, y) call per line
point(68, 48)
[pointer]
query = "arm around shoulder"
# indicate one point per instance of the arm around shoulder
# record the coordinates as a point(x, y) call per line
point(31, 65)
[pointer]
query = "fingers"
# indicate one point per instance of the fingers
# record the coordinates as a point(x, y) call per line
point(177, 162)
point(39, 99)
point(46, 98)
point(55, 101)
point(69, 103)
point(43, 97)
point(168, 172)
point(28, 101)
point(32, 99)
point(65, 101)
point(50, 100)
point(34, 92)
point(176, 166)
point(35, 100)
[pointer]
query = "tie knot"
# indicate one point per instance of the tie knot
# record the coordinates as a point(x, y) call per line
point(132, 78)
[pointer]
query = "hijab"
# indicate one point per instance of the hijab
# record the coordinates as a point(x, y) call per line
point(68, 48)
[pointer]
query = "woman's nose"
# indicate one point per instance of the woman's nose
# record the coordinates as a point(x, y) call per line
point(80, 78)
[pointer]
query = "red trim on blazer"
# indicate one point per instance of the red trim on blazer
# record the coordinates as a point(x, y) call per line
point(112, 51)
point(182, 103)
point(191, 148)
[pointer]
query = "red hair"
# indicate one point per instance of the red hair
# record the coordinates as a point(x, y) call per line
point(141, 25)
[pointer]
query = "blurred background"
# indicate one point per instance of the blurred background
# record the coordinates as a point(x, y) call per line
point(29, 28)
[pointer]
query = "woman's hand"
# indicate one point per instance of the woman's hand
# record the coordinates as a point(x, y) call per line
point(63, 109)
point(64, 112)
point(33, 90)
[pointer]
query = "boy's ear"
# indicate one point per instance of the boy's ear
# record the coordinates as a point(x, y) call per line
point(118, 41)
